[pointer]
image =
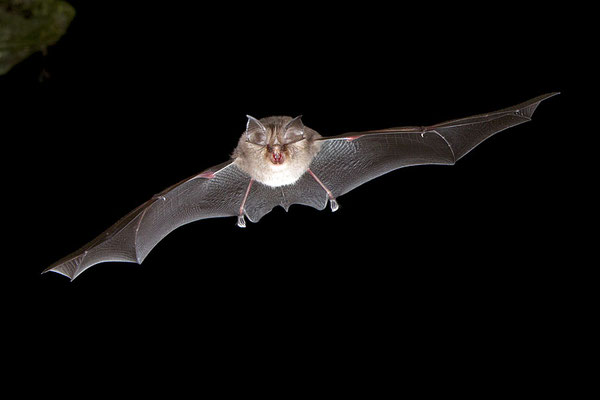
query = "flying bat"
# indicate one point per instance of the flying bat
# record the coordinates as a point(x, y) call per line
point(279, 161)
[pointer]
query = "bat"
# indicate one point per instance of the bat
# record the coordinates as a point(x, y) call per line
point(279, 161)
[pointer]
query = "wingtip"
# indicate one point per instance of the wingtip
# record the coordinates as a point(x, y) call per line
point(547, 96)
point(57, 271)
point(68, 266)
point(527, 108)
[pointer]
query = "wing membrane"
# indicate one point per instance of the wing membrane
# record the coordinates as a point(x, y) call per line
point(216, 192)
point(349, 160)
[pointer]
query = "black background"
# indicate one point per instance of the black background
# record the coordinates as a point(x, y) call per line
point(427, 269)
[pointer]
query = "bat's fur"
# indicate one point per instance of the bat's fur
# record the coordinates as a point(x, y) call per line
point(255, 159)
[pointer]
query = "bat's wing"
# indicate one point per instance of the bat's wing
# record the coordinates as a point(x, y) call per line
point(347, 161)
point(216, 192)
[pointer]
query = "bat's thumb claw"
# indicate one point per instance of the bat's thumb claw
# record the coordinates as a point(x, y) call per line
point(334, 205)
point(241, 222)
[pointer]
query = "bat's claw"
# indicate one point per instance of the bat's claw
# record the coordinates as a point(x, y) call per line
point(332, 201)
point(241, 222)
point(334, 204)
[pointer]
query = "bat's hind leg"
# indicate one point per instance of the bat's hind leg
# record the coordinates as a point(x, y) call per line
point(332, 201)
point(241, 222)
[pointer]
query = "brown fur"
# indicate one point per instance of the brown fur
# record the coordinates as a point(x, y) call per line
point(255, 160)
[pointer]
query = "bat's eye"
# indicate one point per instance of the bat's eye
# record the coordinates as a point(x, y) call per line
point(269, 148)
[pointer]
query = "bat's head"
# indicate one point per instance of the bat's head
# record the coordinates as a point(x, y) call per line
point(276, 136)
point(276, 150)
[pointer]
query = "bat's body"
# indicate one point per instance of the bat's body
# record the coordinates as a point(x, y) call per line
point(276, 151)
point(279, 161)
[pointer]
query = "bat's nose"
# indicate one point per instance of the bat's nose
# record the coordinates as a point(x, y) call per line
point(276, 153)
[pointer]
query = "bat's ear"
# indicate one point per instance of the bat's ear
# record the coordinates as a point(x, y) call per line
point(255, 131)
point(293, 130)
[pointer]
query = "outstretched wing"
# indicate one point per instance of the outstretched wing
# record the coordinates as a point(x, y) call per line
point(347, 161)
point(216, 192)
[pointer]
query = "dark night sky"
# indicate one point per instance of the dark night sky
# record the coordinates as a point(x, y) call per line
point(137, 100)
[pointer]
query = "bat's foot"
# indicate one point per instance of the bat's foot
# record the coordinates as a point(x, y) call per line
point(332, 201)
point(241, 222)
point(333, 204)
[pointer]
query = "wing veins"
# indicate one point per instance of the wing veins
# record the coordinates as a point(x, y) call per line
point(447, 143)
